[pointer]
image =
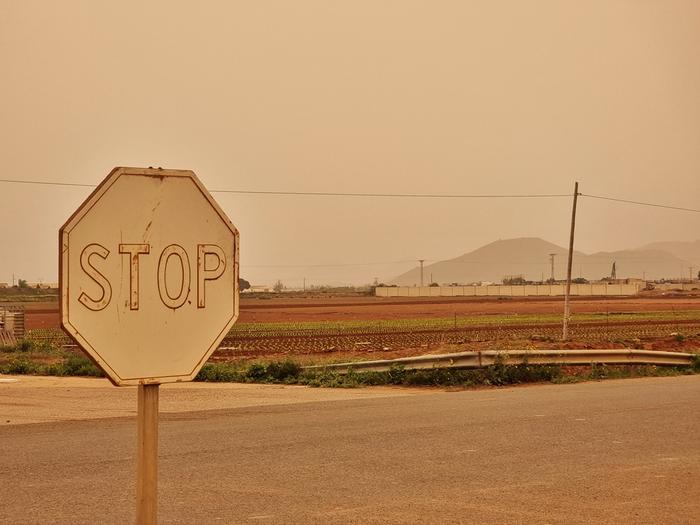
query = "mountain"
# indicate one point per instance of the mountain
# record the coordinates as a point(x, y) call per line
point(688, 251)
point(530, 257)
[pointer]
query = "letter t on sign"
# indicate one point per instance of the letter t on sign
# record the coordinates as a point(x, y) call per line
point(134, 250)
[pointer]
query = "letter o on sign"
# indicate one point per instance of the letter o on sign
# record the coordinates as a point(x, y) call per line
point(177, 253)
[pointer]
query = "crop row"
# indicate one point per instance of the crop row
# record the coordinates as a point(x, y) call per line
point(372, 338)
point(303, 328)
point(345, 342)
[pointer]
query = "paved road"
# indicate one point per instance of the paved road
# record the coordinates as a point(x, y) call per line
point(610, 452)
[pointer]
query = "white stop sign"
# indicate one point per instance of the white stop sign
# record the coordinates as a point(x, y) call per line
point(149, 275)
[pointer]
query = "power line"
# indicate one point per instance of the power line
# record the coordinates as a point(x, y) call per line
point(407, 195)
point(328, 193)
point(385, 195)
point(639, 203)
point(49, 183)
point(332, 265)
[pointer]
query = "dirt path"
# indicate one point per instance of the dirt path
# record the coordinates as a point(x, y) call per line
point(31, 399)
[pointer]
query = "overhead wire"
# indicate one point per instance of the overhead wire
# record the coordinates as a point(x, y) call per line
point(331, 265)
point(401, 195)
point(329, 193)
point(49, 183)
point(387, 195)
point(378, 195)
point(601, 197)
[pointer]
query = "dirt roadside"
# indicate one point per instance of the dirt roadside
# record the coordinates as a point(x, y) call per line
point(32, 399)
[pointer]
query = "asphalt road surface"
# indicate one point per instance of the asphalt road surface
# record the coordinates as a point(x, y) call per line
point(607, 452)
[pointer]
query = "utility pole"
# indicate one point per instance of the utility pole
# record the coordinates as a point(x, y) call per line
point(567, 293)
point(691, 268)
point(304, 283)
point(551, 260)
point(421, 261)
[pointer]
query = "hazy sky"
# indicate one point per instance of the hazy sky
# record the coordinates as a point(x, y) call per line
point(356, 96)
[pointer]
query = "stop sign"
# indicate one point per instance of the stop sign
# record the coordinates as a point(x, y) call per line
point(149, 275)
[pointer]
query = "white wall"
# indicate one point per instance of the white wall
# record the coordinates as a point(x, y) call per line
point(497, 290)
point(680, 286)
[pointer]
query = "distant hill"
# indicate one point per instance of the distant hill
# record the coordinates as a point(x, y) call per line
point(529, 257)
point(688, 251)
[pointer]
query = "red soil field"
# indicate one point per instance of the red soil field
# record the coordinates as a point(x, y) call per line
point(45, 315)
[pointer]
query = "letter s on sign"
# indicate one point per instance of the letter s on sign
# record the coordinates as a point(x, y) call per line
point(101, 303)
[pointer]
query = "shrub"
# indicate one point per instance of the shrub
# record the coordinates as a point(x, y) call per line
point(220, 372)
point(696, 363)
point(283, 371)
point(78, 365)
point(19, 365)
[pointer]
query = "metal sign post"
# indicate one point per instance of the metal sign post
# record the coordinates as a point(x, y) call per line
point(147, 456)
point(148, 271)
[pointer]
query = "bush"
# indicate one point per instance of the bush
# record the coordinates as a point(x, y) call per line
point(282, 371)
point(220, 372)
point(396, 375)
point(696, 363)
point(78, 365)
point(18, 366)
point(274, 372)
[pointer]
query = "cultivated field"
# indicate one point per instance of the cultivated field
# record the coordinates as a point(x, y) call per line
point(332, 328)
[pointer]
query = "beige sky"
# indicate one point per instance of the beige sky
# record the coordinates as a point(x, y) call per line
point(357, 96)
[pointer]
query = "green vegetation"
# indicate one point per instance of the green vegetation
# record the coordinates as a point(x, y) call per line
point(26, 294)
point(457, 322)
point(38, 359)
point(32, 358)
point(499, 374)
point(44, 359)
point(498, 322)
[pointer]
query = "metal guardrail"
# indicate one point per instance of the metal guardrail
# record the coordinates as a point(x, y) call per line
point(514, 357)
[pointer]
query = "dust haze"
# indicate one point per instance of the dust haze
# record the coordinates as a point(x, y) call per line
point(450, 97)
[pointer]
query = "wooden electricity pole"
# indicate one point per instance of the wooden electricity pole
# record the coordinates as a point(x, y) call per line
point(567, 292)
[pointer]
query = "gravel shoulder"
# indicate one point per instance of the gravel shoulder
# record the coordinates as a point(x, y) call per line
point(33, 399)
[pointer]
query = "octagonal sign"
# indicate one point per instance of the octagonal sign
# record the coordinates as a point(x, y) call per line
point(149, 275)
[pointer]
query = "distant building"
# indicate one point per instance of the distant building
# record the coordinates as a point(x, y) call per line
point(258, 288)
point(4, 285)
point(43, 286)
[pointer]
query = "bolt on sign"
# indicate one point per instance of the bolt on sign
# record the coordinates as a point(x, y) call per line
point(149, 275)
